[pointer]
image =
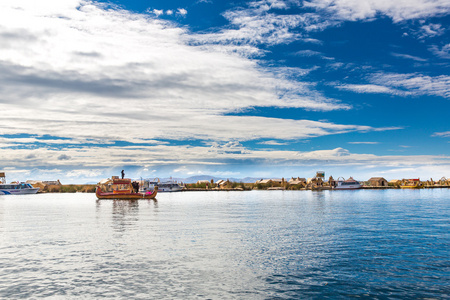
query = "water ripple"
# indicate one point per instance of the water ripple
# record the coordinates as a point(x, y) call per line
point(220, 245)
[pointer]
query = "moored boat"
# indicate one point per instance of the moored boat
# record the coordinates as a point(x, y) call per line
point(166, 186)
point(17, 189)
point(123, 189)
point(349, 184)
point(411, 184)
point(169, 187)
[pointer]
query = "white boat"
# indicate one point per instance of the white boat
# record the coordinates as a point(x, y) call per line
point(169, 187)
point(349, 184)
point(17, 189)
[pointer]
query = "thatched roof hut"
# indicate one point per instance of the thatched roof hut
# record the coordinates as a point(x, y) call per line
point(378, 181)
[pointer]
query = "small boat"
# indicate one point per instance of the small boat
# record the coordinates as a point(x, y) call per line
point(169, 187)
point(411, 184)
point(122, 189)
point(17, 189)
point(166, 186)
point(349, 184)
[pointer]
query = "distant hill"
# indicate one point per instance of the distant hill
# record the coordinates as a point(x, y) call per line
point(194, 179)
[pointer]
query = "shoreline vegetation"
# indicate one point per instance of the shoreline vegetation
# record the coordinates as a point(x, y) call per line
point(233, 186)
point(69, 188)
point(274, 185)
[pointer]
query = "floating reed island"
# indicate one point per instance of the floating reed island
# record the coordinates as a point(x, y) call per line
point(317, 182)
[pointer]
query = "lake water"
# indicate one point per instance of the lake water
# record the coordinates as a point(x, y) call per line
point(383, 244)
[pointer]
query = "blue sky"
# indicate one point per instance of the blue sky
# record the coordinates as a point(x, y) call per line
point(226, 88)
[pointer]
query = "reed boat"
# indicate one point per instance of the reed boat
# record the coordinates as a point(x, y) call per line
point(411, 184)
point(121, 189)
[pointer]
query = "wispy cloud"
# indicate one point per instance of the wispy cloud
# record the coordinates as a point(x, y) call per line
point(364, 143)
point(308, 53)
point(274, 143)
point(442, 134)
point(256, 26)
point(407, 56)
point(370, 88)
point(431, 30)
point(442, 52)
point(414, 84)
point(258, 23)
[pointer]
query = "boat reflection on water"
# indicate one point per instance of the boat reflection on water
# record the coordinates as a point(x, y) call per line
point(124, 215)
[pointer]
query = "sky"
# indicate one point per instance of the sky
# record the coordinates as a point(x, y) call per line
point(231, 89)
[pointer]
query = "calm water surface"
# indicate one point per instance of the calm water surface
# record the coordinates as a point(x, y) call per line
point(389, 244)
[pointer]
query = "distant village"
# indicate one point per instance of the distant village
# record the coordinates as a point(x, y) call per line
point(318, 182)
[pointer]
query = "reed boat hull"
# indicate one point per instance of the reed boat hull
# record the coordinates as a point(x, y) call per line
point(124, 196)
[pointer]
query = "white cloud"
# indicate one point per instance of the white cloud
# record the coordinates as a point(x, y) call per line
point(399, 10)
point(182, 11)
point(157, 12)
point(75, 174)
point(104, 75)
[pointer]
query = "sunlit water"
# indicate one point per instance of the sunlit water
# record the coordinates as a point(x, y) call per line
point(388, 244)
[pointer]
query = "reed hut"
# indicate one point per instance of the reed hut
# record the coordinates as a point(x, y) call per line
point(395, 182)
point(378, 181)
point(297, 181)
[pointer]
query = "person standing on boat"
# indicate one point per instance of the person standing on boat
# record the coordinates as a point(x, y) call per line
point(135, 186)
point(123, 174)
